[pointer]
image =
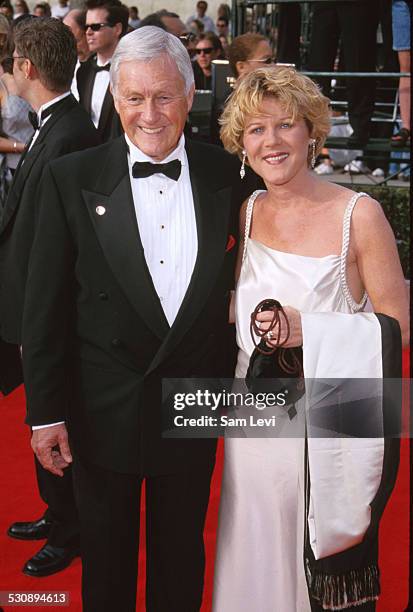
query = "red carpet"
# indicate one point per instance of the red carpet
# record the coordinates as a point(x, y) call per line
point(20, 502)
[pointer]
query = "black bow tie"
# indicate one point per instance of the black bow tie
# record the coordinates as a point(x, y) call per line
point(144, 169)
point(97, 68)
point(33, 118)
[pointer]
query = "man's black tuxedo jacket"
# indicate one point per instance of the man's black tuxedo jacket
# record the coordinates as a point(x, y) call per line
point(109, 126)
point(68, 129)
point(96, 342)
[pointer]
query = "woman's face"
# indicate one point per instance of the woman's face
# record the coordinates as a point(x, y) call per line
point(205, 53)
point(276, 147)
point(261, 56)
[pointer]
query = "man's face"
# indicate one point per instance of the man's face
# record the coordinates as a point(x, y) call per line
point(222, 27)
point(80, 37)
point(153, 106)
point(107, 37)
point(201, 8)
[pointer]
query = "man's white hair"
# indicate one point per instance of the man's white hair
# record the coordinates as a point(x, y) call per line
point(147, 43)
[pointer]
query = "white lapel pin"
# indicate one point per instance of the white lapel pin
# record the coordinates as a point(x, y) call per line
point(100, 210)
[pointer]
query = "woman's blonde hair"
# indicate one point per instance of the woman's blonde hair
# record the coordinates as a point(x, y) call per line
point(296, 93)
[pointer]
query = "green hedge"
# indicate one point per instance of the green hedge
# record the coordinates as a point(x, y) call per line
point(396, 205)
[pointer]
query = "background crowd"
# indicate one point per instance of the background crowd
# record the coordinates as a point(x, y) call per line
point(361, 36)
point(343, 34)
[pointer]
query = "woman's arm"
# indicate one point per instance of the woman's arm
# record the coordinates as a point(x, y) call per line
point(379, 264)
point(8, 145)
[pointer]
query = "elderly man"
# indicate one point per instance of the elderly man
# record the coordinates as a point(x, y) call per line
point(138, 237)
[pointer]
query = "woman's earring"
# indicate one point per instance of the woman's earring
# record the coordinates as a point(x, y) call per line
point(242, 169)
point(313, 147)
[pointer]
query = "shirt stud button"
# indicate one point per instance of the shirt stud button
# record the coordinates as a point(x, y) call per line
point(100, 210)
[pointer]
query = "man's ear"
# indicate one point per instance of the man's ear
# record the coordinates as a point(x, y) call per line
point(240, 67)
point(118, 29)
point(30, 70)
point(190, 97)
point(115, 100)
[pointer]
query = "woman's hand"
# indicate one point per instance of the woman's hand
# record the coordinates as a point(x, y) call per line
point(294, 319)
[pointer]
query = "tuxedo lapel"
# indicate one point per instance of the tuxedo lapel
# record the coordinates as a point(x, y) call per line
point(212, 210)
point(118, 235)
point(85, 85)
point(29, 158)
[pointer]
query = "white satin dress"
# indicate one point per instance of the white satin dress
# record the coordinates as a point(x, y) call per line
point(259, 561)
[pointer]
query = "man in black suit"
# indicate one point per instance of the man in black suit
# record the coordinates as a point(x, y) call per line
point(139, 237)
point(44, 60)
point(106, 22)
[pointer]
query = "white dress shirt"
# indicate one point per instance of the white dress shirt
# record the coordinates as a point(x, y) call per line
point(167, 227)
point(73, 87)
point(43, 121)
point(100, 87)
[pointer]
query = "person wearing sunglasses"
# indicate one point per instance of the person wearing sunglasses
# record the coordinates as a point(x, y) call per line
point(208, 48)
point(248, 52)
point(105, 23)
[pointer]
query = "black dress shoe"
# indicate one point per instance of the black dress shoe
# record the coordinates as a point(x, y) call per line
point(49, 560)
point(34, 530)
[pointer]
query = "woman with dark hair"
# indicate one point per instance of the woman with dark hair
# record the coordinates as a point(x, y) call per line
point(248, 52)
point(208, 48)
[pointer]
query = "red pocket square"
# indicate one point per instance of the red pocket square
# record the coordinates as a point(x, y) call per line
point(230, 244)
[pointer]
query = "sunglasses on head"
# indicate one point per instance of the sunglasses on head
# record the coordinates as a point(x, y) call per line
point(268, 60)
point(95, 27)
point(206, 50)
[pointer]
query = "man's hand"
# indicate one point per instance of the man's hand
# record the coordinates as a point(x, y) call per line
point(44, 442)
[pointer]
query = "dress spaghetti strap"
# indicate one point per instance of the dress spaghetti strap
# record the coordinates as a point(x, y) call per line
point(355, 307)
point(248, 219)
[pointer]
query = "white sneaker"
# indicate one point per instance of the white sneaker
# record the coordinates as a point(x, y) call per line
point(324, 168)
point(356, 167)
point(378, 173)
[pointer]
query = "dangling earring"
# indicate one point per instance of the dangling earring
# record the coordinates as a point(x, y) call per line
point(313, 157)
point(242, 169)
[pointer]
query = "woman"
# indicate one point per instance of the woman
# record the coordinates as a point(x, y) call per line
point(248, 52)
point(317, 248)
point(207, 49)
point(15, 126)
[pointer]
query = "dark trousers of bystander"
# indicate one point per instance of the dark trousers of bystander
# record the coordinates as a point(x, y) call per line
point(355, 24)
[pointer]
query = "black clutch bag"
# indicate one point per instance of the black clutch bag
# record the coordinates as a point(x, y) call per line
point(274, 369)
